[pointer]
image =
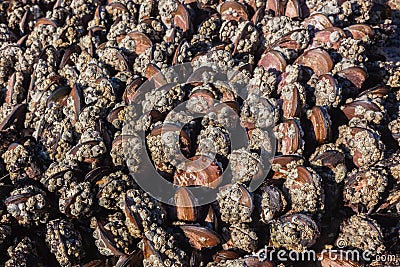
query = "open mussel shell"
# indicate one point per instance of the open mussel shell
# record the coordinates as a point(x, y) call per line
point(333, 160)
point(316, 59)
point(22, 41)
point(24, 23)
point(276, 6)
point(182, 19)
point(256, 262)
point(293, 9)
point(375, 92)
point(142, 41)
point(358, 108)
point(186, 205)
point(258, 15)
point(391, 205)
point(232, 10)
point(273, 61)
point(318, 21)
point(45, 21)
point(246, 198)
point(224, 255)
point(304, 175)
point(291, 103)
point(355, 75)
point(361, 31)
point(291, 141)
point(150, 253)
point(281, 163)
point(16, 116)
point(330, 36)
point(132, 90)
point(77, 96)
point(154, 74)
point(199, 171)
point(321, 123)
point(201, 237)
point(59, 95)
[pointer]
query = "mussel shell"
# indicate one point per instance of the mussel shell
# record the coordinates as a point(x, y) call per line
point(273, 61)
point(316, 59)
point(318, 20)
point(200, 237)
point(355, 75)
point(350, 108)
point(199, 171)
point(290, 144)
point(322, 125)
point(240, 9)
point(186, 205)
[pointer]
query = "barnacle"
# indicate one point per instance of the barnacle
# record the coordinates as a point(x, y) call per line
point(76, 199)
point(362, 233)
point(64, 241)
point(112, 188)
point(294, 232)
point(23, 253)
point(233, 209)
point(28, 205)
